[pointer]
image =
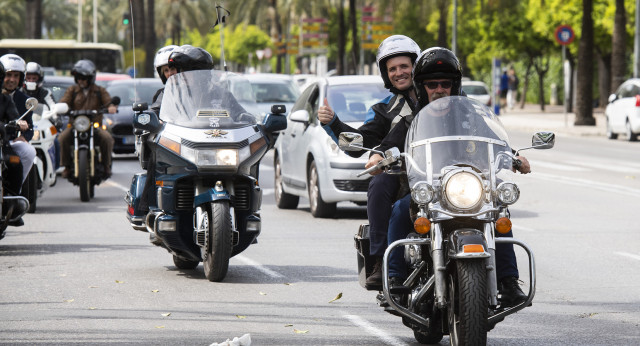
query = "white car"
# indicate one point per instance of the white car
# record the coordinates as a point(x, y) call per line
point(623, 111)
point(273, 88)
point(308, 162)
point(477, 90)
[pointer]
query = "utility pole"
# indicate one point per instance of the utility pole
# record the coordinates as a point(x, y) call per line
point(454, 29)
point(95, 21)
point(79, 20)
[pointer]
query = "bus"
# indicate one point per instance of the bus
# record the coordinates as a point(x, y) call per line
point(63, 54)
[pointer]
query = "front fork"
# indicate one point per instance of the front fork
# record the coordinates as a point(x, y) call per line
point(76, 149)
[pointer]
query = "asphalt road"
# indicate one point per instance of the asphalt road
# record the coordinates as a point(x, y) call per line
point(77, 273)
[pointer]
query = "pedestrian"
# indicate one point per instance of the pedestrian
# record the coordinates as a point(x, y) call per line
point(513, 88)
point(504, 88)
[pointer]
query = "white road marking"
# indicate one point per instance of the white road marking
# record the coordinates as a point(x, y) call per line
point(636, 257)
point(558, 166)
point(259, 266)
point(116, 185)
point(373, 330)
point(615, 167)
point(624, 190)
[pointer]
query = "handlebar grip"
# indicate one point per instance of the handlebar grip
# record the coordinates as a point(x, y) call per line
point(368, 171)
point(517, 163)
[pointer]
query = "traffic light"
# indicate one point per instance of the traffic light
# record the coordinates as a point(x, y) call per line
point(126, 18)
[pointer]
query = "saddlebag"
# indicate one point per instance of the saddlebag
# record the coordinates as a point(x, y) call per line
point(135, 215)
point(365, 261)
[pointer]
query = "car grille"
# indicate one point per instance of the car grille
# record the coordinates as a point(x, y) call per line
point(242, 198)
point(184, 196)
point(122, 130)
point(352, 185)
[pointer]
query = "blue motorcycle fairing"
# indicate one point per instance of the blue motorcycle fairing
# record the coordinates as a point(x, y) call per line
point(210, 195)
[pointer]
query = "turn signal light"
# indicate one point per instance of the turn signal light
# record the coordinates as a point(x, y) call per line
point(130, 210)
point(637, 100)
point(96, 125)
point(14, 159)
point(503, 225)
point(472, 248)
point(422, 225)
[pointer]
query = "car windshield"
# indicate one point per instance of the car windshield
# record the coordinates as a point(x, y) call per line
point(271, 92)
point(134, 91)
point(351, 101)
point(455, 131)
point(203, 99)
point(474, 90)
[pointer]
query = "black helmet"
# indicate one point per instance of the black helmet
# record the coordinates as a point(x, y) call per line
point(190, 58)
point(35, 68)
point(436, 63)
point(84, 68)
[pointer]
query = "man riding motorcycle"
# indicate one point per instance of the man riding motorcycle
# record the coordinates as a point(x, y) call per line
point(161, 64)
point(33, 80)
point(86, 95)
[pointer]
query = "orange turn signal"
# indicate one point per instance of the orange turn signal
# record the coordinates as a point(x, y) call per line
point(503, 225)
point(422, 225)
point(159, 182)
point(472, 248)
point(14, 159)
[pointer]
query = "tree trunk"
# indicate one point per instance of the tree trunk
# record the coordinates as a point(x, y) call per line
point(541, 69)
point(150, 39)
point(355, 38)
point(443, 7)
point(276, 33)
point(572, 65)
point(584, 97)
point(619, 39)
point(604, 78)
point(525, 84)
point(33, 19)
point(139, 20)
point(340, 70)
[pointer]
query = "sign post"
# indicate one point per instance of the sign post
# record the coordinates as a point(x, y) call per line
point(564, 35)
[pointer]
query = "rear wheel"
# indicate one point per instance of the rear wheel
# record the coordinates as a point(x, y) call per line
point(468, 304)
point(183, 263)
point(283, 199)
point(218, 219)
point(318, 207)
point(610, 133)
point(84, 178)
point(631, 137)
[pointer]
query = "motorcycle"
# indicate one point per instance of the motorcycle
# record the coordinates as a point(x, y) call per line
point(458, 160)
point(46, 125)
point(207, 152)
point(13, 206)
point(87, 170)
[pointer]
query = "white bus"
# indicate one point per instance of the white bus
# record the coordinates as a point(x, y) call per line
point(63, 54)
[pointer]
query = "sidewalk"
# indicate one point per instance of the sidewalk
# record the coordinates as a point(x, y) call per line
point(532, 119)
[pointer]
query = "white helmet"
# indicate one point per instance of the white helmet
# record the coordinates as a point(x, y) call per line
point(13, 62)
point(35, 68)
point(161, 59)
point(392, 46)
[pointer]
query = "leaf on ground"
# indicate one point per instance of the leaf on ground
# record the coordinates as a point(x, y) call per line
point(119, 282)
point(241, 317)
point(288, 325)
point(288, 284)
point(630, 177)
point(92, 308)
point(263, 294)
point(69, 300)
point(155, 291)
point(159, 327)
point(167, 314)
point(297, 331)
point(336, 298)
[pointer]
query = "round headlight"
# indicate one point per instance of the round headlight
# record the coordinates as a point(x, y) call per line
point(82, 123)
point(508, 193)
point(463, 190)
point(422, 193)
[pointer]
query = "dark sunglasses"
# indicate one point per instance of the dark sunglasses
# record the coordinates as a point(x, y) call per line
point(434, 85)
point(81, 77)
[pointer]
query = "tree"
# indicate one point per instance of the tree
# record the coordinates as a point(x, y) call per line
point(342, 33)
point(33, 19)
point(584, 97)
point(618, 49)
point(150, 40)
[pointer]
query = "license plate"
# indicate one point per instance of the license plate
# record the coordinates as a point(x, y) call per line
point(129, 140)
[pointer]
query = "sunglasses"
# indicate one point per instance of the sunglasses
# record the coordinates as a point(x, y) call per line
point(81, 77)
point(434, 85)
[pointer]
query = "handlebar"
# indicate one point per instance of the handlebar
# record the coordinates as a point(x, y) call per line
point(391, 156)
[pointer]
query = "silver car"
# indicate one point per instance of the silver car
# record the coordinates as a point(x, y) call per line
point(307, 160)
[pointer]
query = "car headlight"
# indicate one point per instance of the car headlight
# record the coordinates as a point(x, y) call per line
point(463, 190)
point(422, 192)
point(81, 123)
point(508, 193)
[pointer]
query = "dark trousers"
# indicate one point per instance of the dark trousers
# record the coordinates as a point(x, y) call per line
point(383, 190)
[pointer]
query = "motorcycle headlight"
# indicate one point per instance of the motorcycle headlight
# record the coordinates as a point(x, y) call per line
point(211, 157)
point(508, 193)
point(422, 192)
point(82, 123)
point(463, 190)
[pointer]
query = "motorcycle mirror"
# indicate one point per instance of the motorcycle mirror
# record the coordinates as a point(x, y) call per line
point(60, 108)
point(147, 121)
point(140, 106)
point(350, 141)
point(275, 122)
point(31, 103)
point(543, 140)
point(115, 100)
point(278, 109)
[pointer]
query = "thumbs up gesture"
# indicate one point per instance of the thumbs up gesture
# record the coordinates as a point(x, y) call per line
point(325, 113)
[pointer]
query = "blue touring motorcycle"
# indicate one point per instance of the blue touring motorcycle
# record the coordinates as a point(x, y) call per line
point(204, 203)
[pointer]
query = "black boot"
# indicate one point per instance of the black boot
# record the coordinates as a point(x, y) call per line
point(374, 281)
point(510, 292)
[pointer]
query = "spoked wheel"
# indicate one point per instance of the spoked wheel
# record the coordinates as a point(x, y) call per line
point(283, 199)
point(183, 263)
point(610, 133)
point(84, 178)
point(468, 304)
point(631, 137)
point(318, 207)
point(220, 243)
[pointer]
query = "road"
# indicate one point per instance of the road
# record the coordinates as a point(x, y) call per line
point(77, 273)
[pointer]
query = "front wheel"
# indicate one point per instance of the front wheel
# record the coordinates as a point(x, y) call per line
point(218, 252)
point(468, 303)
point(319, 208)
point(84, 178)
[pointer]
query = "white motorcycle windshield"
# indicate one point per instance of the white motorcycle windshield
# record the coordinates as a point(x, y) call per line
point(205, 99)
point(455, 131)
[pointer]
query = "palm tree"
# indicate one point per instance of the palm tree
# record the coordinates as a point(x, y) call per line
point(12, 24)
point(33, 19)
point(619, 41)
point(584, 98)
point(177, 15)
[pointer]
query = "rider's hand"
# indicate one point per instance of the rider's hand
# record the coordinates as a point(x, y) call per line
point(373, 160)
point(20, 139)
point(112, 109)
point(325, 113)
point(24, 126)
point(525, 167)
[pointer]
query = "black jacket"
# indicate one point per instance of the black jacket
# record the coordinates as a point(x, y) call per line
point(19, 98)
point(8, 112)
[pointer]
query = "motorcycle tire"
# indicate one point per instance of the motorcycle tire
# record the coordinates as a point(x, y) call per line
point(220, 244)
point(283, 199)
point(30, 189)
point(184, 264)
point(318, 207)
point(84, 178)
point(468, 307)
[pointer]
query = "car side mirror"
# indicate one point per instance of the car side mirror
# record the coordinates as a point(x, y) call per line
point(543, 140)
point(278, 109)
point(350, 141)
point(274, 122)
point(140, 106)
point(612, 97)
point(301, 116)
point(147, 121)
